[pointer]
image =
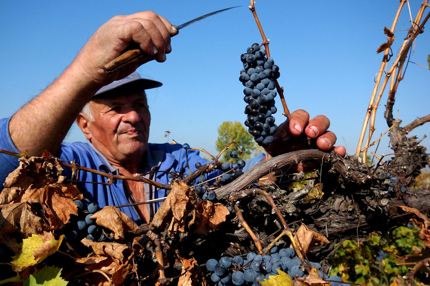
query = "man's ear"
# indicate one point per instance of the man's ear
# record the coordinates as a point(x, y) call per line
point(83, 124)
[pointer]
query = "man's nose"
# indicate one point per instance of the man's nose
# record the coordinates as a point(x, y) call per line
point(132, 115)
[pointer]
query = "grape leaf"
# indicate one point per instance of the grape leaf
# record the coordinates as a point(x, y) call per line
point(176, 208)
point(19, 216)
point(112, 249)
point(280, 279)
point(35, 249)
point(47, 276)
point(210, 216)
point(112, 218)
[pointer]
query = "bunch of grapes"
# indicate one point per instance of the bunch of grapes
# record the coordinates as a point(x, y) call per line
point(254, 267)
point(258, 77)
point(83, 225)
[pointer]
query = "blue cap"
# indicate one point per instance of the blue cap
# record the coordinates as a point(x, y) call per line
point(134, 80)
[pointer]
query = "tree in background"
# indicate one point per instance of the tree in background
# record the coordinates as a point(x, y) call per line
point(241, 141)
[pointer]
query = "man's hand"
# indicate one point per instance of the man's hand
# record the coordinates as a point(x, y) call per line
point(145, 30)
point(301, 133)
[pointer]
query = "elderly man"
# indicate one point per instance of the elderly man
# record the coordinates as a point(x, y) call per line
point(112, 112)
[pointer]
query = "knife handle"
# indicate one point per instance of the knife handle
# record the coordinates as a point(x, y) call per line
point(129, 57)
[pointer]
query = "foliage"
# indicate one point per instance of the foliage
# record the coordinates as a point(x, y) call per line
point(233, 133)
point(378, 260)
point(47, 276)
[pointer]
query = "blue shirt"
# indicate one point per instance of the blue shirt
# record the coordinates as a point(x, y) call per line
point(160, 159)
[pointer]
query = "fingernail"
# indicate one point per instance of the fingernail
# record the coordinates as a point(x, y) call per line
point(169, 48)
point(314, 131)
point(326, 142)
point(154, 51)
point(298, 128)
point(162, 58)
point(173, 30)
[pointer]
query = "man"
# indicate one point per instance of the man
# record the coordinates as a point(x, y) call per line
point(115, 117)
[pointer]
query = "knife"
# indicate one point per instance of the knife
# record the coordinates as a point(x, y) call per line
point(131, 56)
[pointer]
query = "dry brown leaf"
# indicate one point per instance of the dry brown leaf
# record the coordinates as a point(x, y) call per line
point(177, 211)
point(91, 260)
point(190, 273)
point(305, 236)
point(36, 171)
point(10, 195)
point(210, 216)
point(112, 249)
point(19, 216)
point(56, 201)
point(112, 269)
point(313, 279)
point(269, 179)
point(388, 32)
point(179, 201)
point(118, 222)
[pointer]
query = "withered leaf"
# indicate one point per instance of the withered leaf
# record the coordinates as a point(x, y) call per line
point(269, 179)
point(9, 195)
point(19, 216)
point(112, 249)
point(56, 201)
point(111, 268)
point(210, 216)
point(305, 236)
point(388, 32)
point(190, 273)
point(36, 171)
point(118, 222)
point(313, 279)
point(175, 207)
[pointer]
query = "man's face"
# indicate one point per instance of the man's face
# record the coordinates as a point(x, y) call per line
point(120, 126)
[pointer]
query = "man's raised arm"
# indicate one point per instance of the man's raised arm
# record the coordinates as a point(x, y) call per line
point(42, 124)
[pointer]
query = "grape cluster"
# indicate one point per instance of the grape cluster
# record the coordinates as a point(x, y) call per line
point(83, 225)
point(230, 171)
point(258, 77)
point(254, 267)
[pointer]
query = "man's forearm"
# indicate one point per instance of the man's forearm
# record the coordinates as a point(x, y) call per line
point(42, 124)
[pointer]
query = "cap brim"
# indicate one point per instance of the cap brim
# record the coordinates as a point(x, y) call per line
point(137, 84)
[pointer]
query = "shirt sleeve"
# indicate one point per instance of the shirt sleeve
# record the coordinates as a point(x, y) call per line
point(8, 163)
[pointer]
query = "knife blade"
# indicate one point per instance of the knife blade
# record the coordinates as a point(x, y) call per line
point(133, 55)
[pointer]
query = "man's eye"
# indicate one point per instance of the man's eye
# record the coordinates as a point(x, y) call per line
point(114, 108)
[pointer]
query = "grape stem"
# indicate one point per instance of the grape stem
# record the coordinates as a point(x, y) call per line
point(266, 47)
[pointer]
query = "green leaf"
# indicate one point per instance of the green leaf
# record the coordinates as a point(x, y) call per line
point(35, 249)
point(280, 279)
point(47, 276)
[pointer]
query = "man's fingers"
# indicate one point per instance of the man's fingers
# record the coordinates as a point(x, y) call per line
point(317, 126)
point(298, 120)
point(153, 34)
point(326, 141)
point(340, 150)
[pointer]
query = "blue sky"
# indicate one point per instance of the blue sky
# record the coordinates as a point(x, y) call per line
point(326, 51)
